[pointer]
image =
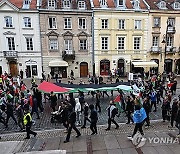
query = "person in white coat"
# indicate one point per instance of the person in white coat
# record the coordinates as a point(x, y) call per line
point(78, 111)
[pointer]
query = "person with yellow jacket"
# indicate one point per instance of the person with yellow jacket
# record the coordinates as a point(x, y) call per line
point(27, 123)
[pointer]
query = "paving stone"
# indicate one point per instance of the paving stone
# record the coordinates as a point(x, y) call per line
point(66, 146)
point(149, 150)
point(98, 143)
point(100, 152)
point(111, 142)
point(79, 145)
point(174, 148)
point(8, 147)
point(124, 142)
point(129, 151)
point(51, 143)
point(163, 150)
point(114, 151)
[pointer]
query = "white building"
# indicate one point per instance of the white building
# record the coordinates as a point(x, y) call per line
point(20, 45)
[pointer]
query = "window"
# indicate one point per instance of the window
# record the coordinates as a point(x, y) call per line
point(137, 24)
point(157, 22)
point(137, 42)
point(136, 4)
point(103, 2)
point(66, 3)
point(82, 23)
point(67, 23)
point(176, 5)
point(68, 45)
point(26, 4)
point(83, 44)
point(8, 21)
point(121, 2)
point(53, 44)
point(171, 22)
point(169, 41)
point(104, 43)
point(121, 43)
point(29, 43)
point(155, 42)
point(52, 22)
point(27, 22)
point(121, 24)
point(51, 3)
point(11, 44)
point(81, 4)
point(162, 5)
point(104, 23)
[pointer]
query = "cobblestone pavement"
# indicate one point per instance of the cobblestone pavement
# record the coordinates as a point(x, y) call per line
point(45, 124)
point(115, 140)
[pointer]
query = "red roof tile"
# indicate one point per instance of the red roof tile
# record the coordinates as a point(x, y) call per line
point(19, 3)
point(110, 4)
point(96, 3)
point(153, 4)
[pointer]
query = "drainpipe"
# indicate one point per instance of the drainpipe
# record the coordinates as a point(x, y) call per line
point(92, 27)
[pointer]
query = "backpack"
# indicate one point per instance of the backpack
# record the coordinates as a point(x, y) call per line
point(114, 112)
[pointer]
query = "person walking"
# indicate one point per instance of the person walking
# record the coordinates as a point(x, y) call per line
point(86, 113)
point(174, 111)
point(35, 107)
point(72, 75)
point(165, 108)
point(98, 95)
point(94, 119)
point(138, 118)
point(112, 111)
point(129, 109)
point(147, 108)
point(71, 122)
point(53, 101)
point(78, 111)
point(28, 123)
point(153, 97)
point(20, 115)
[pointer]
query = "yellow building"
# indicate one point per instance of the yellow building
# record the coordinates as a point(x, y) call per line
point(164, 35)
point(120, 34)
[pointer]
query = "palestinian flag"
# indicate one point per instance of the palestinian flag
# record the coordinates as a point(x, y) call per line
point(117, 101)
point(23, 87)
point(9, 96)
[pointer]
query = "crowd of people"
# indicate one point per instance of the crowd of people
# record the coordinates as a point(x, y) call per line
point(20, 103)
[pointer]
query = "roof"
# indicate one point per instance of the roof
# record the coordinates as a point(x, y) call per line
point(59, 4)
point(19, 3)
point(153, 4)
point(112, 4)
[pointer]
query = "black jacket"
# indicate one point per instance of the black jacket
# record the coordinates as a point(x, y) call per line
point(178, 117)
point(94, 116)
point(72, 118)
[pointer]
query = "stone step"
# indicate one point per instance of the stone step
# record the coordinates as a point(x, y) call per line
point(45, 152)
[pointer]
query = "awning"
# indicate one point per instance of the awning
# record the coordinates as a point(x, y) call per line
point(145, 64)
point(58, 63)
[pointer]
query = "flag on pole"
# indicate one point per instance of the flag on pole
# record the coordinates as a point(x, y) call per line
point(117, 101)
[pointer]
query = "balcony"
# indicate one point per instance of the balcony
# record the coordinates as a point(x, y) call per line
point(171, 29)
point(121, 52)
point(156, 50)
point(170, 50)
point(68, 55)
point(10, 54)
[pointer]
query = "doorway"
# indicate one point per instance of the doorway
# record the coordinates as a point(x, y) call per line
point(121, 67)
point(177, 69)
point(83, 69)
point(13, 68)
point(61, 71)
point(0, 70)
point(168, 65)
point(104, 67)
point(154, 70)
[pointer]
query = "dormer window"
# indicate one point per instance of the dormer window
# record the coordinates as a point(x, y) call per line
point(162, 5)
point(66, 3)
point(81, 5)
point(176, 5)
point(136, 4)
point(51, 3)
point(26, 4)
point(103, 3)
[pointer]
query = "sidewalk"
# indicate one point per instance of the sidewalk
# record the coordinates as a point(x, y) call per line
point(106, 142)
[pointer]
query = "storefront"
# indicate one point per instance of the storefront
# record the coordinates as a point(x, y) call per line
point(104, 67)
point(31, 68)
point(168, 65)
point(58, 67)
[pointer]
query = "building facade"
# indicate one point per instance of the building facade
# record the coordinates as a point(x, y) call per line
point(66, 37)
point(20, 45)
point(120, 34)
point(164, 35)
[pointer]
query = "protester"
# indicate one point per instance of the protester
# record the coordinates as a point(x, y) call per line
point(86, 113)
point(129, 109)
point(78, 111)
point(98, 95)
point(53, 101)
point(174, 111)
point(112, 111)
point(94, 119)
point(71, 123)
